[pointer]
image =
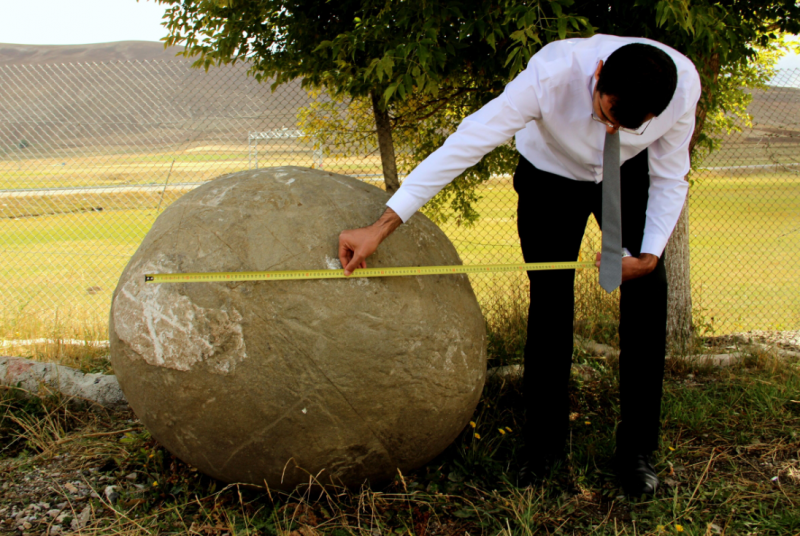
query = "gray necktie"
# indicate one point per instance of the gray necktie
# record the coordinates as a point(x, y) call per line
point(611, 261)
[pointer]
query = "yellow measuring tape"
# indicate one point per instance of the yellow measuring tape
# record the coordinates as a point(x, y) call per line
point(293, 275)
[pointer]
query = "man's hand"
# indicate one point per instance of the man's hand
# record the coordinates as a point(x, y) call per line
point(633, 267)
point(355, 245)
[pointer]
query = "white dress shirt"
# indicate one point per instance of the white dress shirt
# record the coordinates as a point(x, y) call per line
point(548, 107)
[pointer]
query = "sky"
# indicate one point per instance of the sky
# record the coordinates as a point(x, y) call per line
point(77, 22)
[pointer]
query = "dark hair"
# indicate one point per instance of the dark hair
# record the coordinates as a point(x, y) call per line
point(640, 79)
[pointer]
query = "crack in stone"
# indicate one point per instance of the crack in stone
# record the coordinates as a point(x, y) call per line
point(280, 332)
point(260, 433)
point(241, 261)
point(279, 241)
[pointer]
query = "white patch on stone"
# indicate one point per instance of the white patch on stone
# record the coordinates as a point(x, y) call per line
point(216, 195)
point(448, 358)
point(332, 264)
point(168, 330)
point(290, 181)
point(340, 182)
point(304, 410)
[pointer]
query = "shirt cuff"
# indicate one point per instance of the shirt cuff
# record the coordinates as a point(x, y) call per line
point(654, 244)
point(405, 204)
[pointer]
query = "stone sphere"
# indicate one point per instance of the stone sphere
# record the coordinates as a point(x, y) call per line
point(339, 381)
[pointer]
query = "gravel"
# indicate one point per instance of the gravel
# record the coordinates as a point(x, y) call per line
point(788, 340)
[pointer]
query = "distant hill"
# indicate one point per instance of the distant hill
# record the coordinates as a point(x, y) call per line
point(11, 54)
point(131, 95)
point(137, 95)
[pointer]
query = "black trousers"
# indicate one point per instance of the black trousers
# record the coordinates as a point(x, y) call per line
point(552, 216)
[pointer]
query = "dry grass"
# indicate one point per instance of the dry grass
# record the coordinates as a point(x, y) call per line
point(728, 462)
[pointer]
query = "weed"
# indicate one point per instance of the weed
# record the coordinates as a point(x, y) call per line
point(728, 465)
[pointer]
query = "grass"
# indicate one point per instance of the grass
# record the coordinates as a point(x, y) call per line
point(745, 241)
point(728, 461)
point(63, 253)
point(133, 168)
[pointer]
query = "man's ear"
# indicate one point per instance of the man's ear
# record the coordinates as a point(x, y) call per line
point(597, 71)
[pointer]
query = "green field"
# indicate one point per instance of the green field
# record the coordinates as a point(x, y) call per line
point(62, 253)
point(745, 246)
point(185, 165)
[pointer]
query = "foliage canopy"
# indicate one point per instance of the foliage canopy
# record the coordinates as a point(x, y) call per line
point(430, 63)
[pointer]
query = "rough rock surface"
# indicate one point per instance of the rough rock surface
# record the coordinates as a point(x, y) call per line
point(342, 380)
point(34, 377)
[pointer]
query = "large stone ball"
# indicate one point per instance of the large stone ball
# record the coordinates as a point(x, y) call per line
point(277, 382)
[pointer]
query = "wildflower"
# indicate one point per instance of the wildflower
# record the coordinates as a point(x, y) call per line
point(588, 422)
point(672, 449)
point(477, 435)
point(472, 423)
point(679, 528)
point(502, 432)
point(509, 429)
point(155, 484)
point(660, 528)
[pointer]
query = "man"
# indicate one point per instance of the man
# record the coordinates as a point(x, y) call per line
point(580, 103)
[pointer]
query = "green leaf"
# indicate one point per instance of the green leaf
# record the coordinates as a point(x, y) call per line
point(387, 64)
point(389, 92)
point(422, 54)
point(562, 28)
point(371, 67)
point(408, 82)
point(511, 56)
point(323, 45)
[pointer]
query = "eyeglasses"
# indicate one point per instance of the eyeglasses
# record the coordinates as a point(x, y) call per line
point(636, 132)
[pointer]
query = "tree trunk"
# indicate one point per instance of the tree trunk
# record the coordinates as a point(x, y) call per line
point(679, 299)
point(385, 144)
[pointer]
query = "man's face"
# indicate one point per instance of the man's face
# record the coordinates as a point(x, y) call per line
point(602, 104)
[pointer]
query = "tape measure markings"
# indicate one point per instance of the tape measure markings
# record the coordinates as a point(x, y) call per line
point(293, 275)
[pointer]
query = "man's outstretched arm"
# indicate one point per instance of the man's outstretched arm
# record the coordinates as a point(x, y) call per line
point(355, 245)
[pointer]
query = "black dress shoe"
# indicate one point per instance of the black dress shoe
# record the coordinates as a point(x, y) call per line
point(636, 474)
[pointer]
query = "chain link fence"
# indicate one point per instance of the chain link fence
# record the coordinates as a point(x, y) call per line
point(744, 218)
point(90, 154)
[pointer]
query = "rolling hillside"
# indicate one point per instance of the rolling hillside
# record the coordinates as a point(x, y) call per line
point(132, 96)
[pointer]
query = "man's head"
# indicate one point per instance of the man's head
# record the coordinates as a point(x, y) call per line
point(638, 80)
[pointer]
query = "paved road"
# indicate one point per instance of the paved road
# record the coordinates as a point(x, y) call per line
point(759, 166)
point(40, 192)
point(97, 190)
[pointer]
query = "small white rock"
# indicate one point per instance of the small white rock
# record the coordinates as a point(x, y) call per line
point(82, 519)
point(111, 494)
